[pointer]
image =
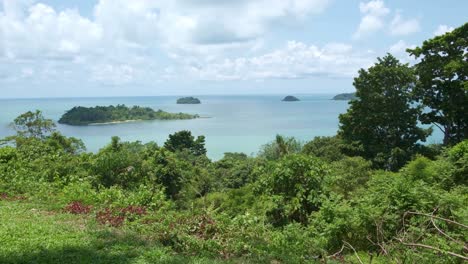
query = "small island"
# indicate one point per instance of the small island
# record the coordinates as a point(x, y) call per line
point(188, 100)
point(83, 116)
point(345, 96)
point(290, 98)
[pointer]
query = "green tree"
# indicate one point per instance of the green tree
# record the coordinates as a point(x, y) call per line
point(169, 172)
point(327, 148)
point(33, 124)
point(295, 184)
point(280, 147)
point(382, 121)
point(183, 140)
point(443, 83)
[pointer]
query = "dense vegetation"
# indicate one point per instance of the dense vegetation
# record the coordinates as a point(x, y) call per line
point(81, 116)
point(188, 100)
point(290, 98)
point(345, 96)
point(371, 194)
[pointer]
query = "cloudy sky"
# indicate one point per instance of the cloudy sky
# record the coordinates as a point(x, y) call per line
point(56, 48)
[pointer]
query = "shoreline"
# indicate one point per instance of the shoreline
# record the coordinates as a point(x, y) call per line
point(140, 120)
point(115, 122)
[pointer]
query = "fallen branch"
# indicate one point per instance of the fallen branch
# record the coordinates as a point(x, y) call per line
point(337, 253)
point(435, 249)
point(440, 218)
point(355, 253)
point(447, 236)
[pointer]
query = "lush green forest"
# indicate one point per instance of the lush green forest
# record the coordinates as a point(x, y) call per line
point(345, 96)
point(188, 100)
point(374, 193)
point(81, 116)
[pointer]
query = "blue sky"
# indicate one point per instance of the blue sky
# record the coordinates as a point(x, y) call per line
point(55, 48)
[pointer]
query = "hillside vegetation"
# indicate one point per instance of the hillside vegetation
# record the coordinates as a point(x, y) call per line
point(371, 194)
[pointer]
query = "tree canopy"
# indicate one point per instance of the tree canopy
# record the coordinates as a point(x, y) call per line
point(79, 116)
point(382, 123)
point(442, 86)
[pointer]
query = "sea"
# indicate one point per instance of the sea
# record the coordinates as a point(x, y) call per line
point(234, 123)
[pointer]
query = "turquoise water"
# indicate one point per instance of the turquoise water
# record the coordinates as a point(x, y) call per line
point(235, 123)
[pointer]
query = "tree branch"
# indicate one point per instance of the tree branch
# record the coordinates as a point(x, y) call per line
point(355, 253)
point(437, 217)
point(434, 248)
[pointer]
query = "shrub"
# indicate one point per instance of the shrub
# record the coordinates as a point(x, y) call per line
point(77, 208)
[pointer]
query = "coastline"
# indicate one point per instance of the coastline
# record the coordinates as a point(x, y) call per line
point(115, 122)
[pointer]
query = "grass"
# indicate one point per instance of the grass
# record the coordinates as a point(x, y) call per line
point(30, 233)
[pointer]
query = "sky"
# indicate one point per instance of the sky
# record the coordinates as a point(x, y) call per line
point(86, 48)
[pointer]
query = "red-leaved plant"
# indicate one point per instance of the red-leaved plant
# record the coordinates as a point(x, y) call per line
point(77, 208)
point(116, 217)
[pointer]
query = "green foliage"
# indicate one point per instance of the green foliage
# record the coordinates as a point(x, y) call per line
point(382, 120)
point(295, 183)
point(458, 155)
point(280, 147)
point(234, 170)
point(183, 140)
point(118, 164)
point(33, 124)
point(168, 171)
point(80, 116)
point(327, 148)
point(442, 85)
point(349, 174)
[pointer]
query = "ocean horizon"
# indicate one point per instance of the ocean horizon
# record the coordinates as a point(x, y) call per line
point(236, 123)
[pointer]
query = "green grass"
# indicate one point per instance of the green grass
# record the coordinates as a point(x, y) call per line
point(31, 234)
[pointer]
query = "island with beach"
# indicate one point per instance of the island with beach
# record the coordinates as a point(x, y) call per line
point(83, 116)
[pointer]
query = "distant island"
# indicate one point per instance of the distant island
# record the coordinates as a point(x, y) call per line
point(290, 98)
point(188, 100)
point(345, 96)
point(82, 116)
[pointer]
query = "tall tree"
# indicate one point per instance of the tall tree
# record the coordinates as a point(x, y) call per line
point(443, 83)
point(33, 124)
point(183, 140)
point(381, 122)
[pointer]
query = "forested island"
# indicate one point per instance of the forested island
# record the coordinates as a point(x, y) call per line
point(372, 193)
point(82, 116)
point(188, 100)
point(290, 98)
point(345, 96)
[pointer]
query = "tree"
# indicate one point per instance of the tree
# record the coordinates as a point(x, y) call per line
point(382, 122)
point(327, 148)
point(169, 172)
point(443, 83)
point(280, 147)
point(295, 184)
point(33, 124)
point(183, 140)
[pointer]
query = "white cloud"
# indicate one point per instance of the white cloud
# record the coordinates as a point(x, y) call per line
point(442, 29)
point(373, 13)
point(43, 32)
point(113, 74)
point(399, 50)
point(296, 60)
point(400, 26)
point(126, 38)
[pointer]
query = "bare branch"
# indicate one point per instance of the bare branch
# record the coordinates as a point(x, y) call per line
point(447, 236)
point(355, 253)
point(440, 218)
point(435, 249)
